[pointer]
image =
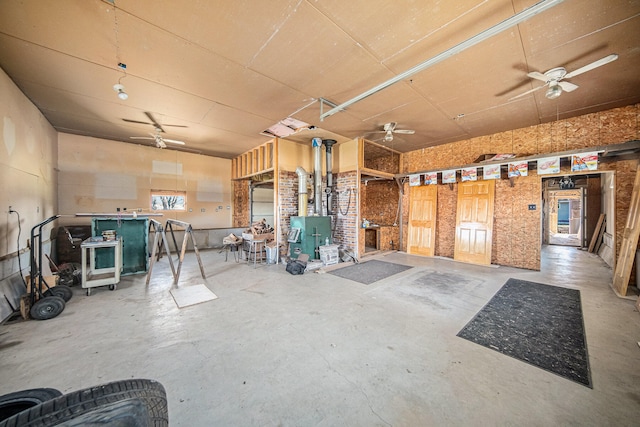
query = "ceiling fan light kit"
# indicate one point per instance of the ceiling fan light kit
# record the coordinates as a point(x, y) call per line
point(553, 92)
point(554, 78)
point(120, 90)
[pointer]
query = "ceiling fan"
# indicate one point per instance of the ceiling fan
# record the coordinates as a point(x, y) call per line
point(154, 123)
point(390, 128)
point(555, 76)
point(159, 140)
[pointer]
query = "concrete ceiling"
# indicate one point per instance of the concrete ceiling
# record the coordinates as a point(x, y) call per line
point(227, 70)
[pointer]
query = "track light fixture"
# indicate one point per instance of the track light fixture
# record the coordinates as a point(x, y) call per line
point(121, 93)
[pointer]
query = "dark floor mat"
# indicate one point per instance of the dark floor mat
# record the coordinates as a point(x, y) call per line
point(370, 271)
point(538, 324)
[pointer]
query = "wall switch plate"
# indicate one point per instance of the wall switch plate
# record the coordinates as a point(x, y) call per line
point(532, 207)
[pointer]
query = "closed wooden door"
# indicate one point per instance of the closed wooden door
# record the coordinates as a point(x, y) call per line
point(474, 222)
point(422, 220)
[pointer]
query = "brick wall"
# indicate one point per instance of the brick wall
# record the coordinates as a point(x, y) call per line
point(346, 209)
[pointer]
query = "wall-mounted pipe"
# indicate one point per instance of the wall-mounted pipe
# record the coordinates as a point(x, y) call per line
point(302, 191)
point(328, 143)
point(317, 175)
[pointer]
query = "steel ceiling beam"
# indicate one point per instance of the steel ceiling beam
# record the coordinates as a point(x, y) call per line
point(490, 32)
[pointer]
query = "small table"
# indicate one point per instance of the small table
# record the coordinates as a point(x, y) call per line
point(94, 277)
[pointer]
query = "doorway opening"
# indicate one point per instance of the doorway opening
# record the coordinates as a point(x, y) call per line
point(261, 196)
point(573, 205)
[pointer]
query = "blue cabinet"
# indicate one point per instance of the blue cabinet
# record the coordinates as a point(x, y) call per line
point(134, 233)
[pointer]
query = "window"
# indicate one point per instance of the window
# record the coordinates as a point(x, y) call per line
point(168, 200)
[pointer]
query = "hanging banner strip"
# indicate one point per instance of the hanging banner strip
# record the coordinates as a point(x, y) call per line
point(548, 165)
point(518, 169)
point(491, 172)
point(584, 161)
point(469, 174)
point(431, 178)
point(414, 180)
point(449, 176)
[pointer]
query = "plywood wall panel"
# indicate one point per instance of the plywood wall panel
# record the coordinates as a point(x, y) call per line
point(525, 141)
point(241, 203)
point(583, 131)
point(619, 125)
point(446, 225)
point(502, 211)
point(545, 140)
point(379, 202)
point(502, 142)
point(559, 136)
point(625, 176)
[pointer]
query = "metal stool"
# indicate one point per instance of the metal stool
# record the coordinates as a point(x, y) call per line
point(255, 248)
point(233, 247)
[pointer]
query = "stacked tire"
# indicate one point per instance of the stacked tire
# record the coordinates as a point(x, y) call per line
point(136, 402)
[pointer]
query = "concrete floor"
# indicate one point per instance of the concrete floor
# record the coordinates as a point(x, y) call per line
point(319, 350)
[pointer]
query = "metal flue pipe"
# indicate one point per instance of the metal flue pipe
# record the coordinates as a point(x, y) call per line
point(302, 191)
point(328, 143)
point(317, 175)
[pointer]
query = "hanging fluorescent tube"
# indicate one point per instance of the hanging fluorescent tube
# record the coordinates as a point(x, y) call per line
point(490, 32)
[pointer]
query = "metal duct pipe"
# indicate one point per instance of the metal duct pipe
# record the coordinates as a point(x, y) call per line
point(317, 175)
point(302, 191)
point(328, 143)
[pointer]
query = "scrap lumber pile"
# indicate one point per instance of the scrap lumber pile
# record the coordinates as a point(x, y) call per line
point(260, 227)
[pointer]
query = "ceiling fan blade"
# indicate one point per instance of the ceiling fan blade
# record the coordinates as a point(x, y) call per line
point(527, 92)
point(153, 120)
point(177, 126)
point(595, 64)
point(173, 141)
point(568, 87)
point(405, 131)
point(538, 76)
point(136, 121)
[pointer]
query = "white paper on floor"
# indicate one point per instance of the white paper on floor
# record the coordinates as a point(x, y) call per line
point(192, 295)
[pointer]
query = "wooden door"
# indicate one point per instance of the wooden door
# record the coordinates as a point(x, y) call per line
point(474, 222)
point(422, 220)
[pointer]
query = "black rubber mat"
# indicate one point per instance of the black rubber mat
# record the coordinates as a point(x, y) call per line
point(538, 324)
point(370, 271)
